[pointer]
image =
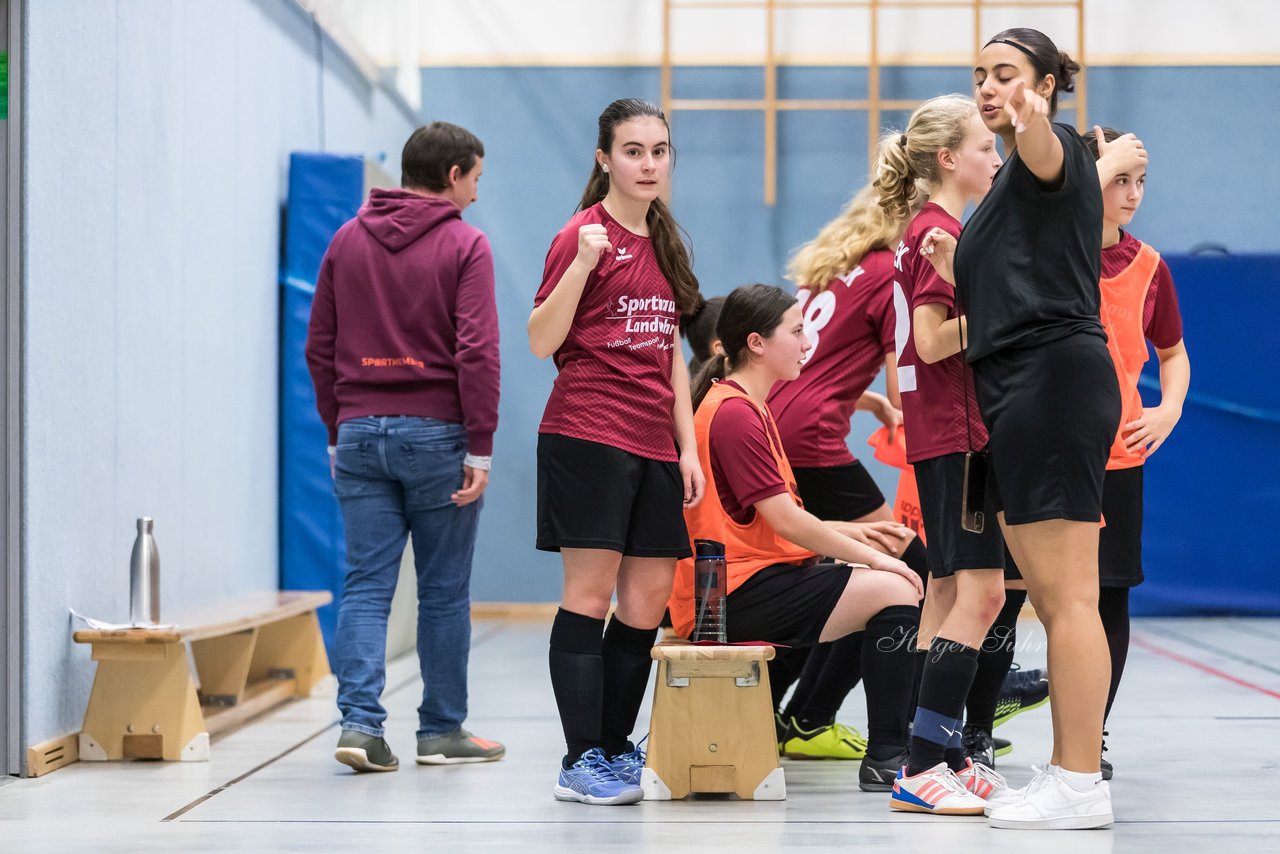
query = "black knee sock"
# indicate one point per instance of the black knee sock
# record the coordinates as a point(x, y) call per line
point(993, 662)
point(1113, 607)
point(916, 557)
point(841, 670)
point(577, 677)
point(935, 735)
point(626, 673)
point(917, 673)
point(814, 658)
point(887, 645)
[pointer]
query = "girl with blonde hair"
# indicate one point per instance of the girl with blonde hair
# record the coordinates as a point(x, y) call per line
point(948, 154)
point(844, 278)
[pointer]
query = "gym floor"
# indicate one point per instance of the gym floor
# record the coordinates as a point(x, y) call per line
point(1193, 740)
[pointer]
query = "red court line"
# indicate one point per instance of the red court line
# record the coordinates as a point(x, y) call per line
point(1138, 640)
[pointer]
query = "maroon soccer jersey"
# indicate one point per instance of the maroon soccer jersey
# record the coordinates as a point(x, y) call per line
point(743, 465)
point(1161, 319)
point(614, 385)
point(850, 325)
point(933, 396)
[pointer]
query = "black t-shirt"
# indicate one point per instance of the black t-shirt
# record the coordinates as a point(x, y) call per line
point(1028, 262)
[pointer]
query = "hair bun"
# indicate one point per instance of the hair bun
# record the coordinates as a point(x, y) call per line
point(1069, 69)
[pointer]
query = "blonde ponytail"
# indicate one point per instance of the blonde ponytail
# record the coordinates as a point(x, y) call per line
point(907, 163)
point(895, 179)
point(842, 243)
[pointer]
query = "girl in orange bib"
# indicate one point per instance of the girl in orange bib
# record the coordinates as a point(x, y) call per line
point(1139, 304)
point(779, 591)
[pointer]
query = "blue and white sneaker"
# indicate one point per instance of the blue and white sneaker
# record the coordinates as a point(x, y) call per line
point(629, 764)
point(591, 780)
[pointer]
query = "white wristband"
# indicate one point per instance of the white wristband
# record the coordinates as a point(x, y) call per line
point(474, 462)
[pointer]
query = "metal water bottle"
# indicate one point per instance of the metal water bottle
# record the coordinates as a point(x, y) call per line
point(144, 575)
point(710, 587)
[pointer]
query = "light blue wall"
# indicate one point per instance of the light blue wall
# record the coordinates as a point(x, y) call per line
point(157, 139)
point(1210, 166)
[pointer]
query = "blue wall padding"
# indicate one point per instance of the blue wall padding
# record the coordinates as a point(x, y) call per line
point(325, 191)
point(1213, 488)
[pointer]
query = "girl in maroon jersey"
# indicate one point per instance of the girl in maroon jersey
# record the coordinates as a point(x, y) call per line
point(947, 153)
point(616, 457)
point(845, 279)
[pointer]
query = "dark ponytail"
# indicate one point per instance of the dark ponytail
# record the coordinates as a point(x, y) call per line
point(712, 370)
point(668, 238)
point(1045, 59)
point(750, 308)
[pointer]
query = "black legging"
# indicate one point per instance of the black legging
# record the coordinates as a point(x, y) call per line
point(1113, 607)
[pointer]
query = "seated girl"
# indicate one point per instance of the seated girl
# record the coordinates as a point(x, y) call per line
point(778, 590)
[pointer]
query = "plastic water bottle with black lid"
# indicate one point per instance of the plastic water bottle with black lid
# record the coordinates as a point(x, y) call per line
point(710, 589)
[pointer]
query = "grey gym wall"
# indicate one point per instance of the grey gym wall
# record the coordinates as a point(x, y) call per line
point(155, 172)
point(10, 396)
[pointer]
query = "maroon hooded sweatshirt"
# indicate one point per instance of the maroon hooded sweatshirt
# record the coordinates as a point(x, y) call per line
point(404, 320)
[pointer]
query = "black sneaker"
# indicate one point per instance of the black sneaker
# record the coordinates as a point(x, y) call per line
point(877, 775)
point(1023, 691)
point(1003, 746)
point(781, 729)
point(979, 746)
point(365, 752)
point(1107, 770)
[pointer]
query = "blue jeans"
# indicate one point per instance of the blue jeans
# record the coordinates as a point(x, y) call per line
point(394, 476)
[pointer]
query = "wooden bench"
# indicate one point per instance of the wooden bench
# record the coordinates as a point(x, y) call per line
point(151, 700)
point(712, 724)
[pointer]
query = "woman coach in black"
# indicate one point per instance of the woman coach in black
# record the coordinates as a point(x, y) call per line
point(1026, 269)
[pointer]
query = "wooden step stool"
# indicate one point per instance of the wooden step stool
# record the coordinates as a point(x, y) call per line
point(151, 701)
point(712, 724)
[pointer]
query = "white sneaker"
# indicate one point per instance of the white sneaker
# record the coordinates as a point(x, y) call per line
point(1007, 796)
point(1055, 805)
point(936, 791)
point(984, 782)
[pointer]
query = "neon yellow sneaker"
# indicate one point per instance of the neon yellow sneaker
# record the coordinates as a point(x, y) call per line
point(836, 741)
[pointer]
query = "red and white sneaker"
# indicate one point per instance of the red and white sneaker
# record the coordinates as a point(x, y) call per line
point(938, 791)
point(981, 780)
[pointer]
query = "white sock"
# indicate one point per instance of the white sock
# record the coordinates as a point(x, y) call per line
point(1081, 782)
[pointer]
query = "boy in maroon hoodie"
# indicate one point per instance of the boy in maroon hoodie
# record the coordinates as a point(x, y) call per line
point(403, 353)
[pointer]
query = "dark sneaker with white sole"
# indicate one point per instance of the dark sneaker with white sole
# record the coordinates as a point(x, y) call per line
point(1106, 767)
point(1023, 690)
point(979, 746)
point(877, 775)
point(365, 752)
point(457, 748)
